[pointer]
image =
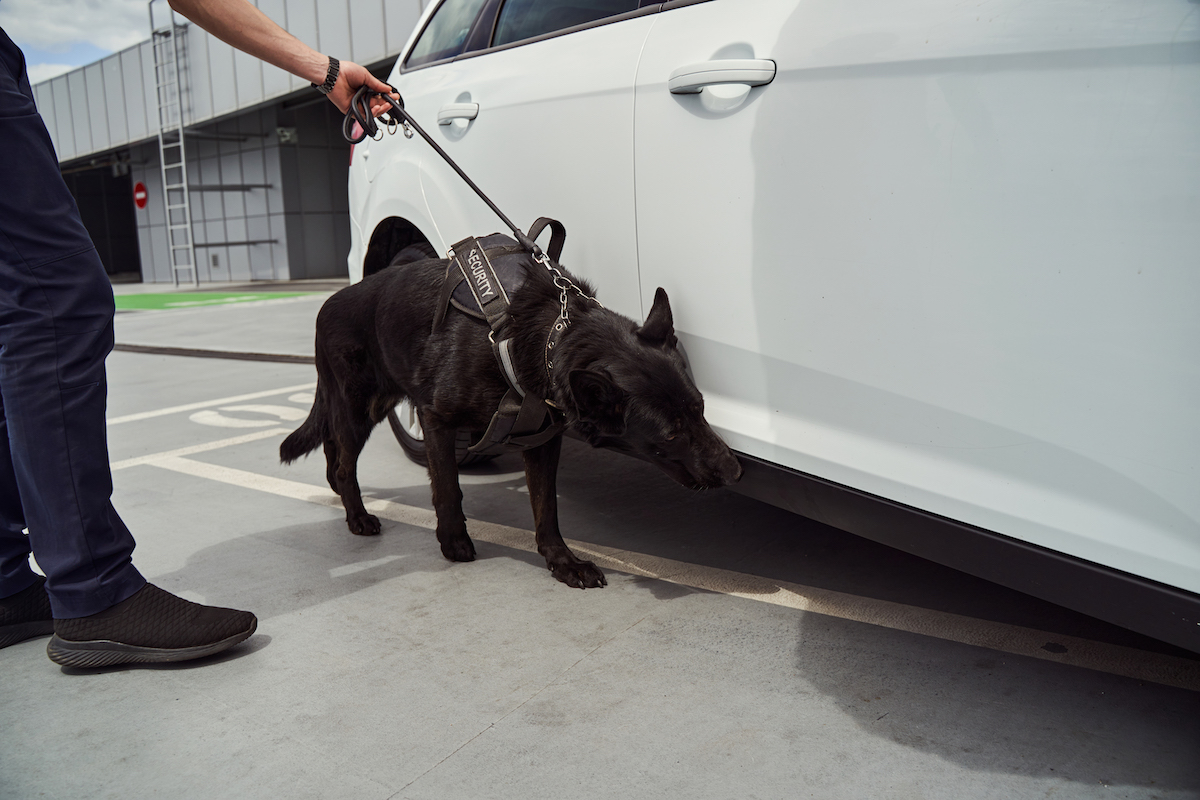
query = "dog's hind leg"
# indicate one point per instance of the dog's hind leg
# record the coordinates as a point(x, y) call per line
point(541, 471)
point(447, 495)
point(331, 464)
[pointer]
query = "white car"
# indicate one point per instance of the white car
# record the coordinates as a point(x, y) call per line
point(936, 265)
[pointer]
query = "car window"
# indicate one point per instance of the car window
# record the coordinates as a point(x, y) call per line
point(446, 33)
point(524, 19)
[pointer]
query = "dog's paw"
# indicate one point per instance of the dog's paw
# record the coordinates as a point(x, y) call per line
point(459, 548)
point(579, 574)
point(367, 525)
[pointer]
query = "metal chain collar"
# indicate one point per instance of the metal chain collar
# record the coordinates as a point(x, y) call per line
point(560, 325)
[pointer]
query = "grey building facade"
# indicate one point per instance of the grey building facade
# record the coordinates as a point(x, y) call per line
point(266, 162)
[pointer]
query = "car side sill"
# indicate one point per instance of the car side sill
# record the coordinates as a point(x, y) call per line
point(1154, 609)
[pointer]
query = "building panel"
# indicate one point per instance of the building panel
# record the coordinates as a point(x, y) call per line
point(302, 23)
point(98, 107)
point(64, 127)
point(149, 90)
point(197, 80)
point(262, 266)
point(333, 28)
point(366, 31)
point(282, 252)
point(298, 254)
point(275, 82)
point(213, 261)
point(209, 203)
point(231, 175)
point(320, 247)
point(133, 90)
point(114, 95)
point(239, 256)
point(273, 163)
point(163, 272)
point(248, 72)
point(223, 76)
point(81, 125)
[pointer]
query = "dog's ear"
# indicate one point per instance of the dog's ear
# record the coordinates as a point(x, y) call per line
point(599, 401)
point(659, 329)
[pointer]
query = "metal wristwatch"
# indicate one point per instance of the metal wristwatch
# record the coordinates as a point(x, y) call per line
point(330, 77)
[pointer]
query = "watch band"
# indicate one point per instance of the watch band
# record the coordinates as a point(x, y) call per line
point(330, 77)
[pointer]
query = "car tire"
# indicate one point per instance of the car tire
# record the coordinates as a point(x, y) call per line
point(407, 428)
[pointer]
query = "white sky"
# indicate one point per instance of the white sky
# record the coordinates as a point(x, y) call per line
point(58, 35)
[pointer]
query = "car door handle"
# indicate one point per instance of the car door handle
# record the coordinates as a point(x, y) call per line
point(453, 111)
point(694, 77)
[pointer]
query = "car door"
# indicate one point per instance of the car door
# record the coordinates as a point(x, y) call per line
point(940, 257)
point(541, 118)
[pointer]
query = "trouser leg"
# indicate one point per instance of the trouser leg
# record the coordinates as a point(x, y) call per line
point(54, 393)
point(56, 311)
point(15, 572)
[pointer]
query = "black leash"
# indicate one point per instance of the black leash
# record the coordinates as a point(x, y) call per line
point(360, 112)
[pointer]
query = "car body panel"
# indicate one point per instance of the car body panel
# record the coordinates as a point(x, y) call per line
point(945, 260)
point(946, 257)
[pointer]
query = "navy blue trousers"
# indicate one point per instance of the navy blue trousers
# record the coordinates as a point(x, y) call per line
point(56, 328)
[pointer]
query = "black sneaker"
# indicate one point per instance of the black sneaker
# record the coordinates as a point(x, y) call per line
point(26, 614)
point(151, 626)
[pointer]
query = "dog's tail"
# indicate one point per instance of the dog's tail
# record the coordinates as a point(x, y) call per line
point(310, 435)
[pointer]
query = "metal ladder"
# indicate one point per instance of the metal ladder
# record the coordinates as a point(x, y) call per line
point(169, 46)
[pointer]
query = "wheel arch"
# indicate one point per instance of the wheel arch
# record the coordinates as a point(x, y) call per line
point(390, 236)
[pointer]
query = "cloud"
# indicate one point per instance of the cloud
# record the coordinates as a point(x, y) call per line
point(44, 72)
point(54, 25)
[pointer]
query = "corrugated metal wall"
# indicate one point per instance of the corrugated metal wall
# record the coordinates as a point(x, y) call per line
point(111, 103)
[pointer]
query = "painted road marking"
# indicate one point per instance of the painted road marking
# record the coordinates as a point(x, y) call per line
point(153, 458)
point(219, 420)
point(222, 401)
point(161, 300)
point(1114, 659)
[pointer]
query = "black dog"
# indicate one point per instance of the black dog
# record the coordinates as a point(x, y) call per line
point(618, 384)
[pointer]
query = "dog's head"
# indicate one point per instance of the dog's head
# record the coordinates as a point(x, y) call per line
point(639, 398)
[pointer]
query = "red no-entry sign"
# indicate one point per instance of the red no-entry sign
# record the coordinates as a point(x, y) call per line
point(139, 194)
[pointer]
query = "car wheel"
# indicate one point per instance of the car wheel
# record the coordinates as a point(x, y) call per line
point(407, 428)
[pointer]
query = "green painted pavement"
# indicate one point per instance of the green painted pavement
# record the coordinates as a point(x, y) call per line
point(164, 300)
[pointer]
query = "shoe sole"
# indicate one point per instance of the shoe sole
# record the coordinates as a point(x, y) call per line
point(11, 634)
point(103, 653)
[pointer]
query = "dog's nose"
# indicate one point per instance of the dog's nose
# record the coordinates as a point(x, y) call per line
point(733, 473)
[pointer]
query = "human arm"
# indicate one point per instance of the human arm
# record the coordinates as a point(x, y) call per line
point(240, 24)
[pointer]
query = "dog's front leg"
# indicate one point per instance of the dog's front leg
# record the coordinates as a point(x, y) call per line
point(447, 496)
point(541, 471)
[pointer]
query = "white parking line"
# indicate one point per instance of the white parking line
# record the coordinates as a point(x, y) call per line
point(209, 403)
point(1114, 659)
point(154, 458)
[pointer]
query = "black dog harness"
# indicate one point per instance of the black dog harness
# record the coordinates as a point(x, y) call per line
point(481, 276)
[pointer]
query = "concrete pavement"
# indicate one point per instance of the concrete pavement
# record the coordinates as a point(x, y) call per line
point(738, 651)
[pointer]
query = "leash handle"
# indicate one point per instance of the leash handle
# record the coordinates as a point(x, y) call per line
point(360, 112)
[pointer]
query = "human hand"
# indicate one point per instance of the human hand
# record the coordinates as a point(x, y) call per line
point(351, 76)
